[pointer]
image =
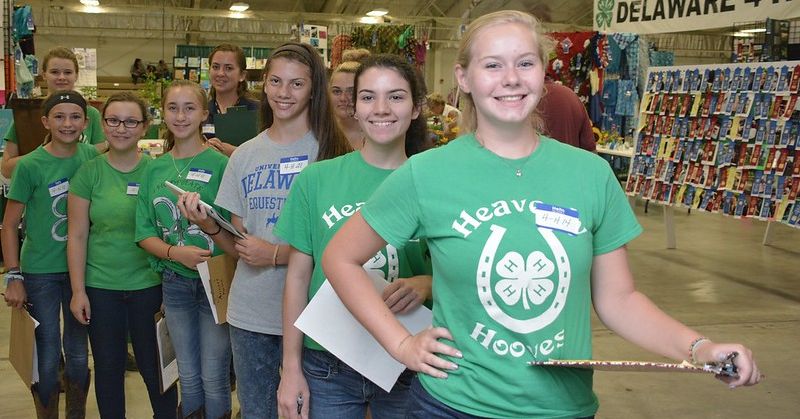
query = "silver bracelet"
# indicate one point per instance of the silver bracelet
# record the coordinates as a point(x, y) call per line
point(693, 347)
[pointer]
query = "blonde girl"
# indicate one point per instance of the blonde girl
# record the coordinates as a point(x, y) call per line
point(526, 234)
point(341, 91)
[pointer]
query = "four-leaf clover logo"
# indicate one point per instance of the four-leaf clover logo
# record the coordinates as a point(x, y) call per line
point(603, 14)
point(525, 280)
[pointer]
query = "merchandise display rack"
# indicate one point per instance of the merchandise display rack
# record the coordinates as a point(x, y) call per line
point(720, 138)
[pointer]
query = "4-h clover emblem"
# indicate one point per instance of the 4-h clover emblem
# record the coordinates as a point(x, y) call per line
point(525, 280)
point(603, 13)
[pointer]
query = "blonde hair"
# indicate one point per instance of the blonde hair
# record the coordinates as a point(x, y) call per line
point(543, 42)
point(351, 60)
point(169, 137)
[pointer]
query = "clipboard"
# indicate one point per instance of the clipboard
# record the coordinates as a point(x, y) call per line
point(636, 366)
point(28, 115)
point(167, 361)
point(217, 276)
point(209, 210)
point(22, 346)
point(236, 126)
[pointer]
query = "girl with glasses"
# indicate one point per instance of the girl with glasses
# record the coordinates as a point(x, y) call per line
point(115, 299)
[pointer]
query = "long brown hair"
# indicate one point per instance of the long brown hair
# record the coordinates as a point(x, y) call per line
point(332, 142)
point(169, 137)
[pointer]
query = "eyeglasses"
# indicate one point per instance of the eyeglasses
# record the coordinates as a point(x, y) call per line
point(128, 123)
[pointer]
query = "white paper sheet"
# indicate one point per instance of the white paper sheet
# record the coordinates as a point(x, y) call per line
point(205, 277)
point(329, 323)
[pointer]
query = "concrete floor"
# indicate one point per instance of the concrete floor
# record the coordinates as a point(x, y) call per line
point(720, 280)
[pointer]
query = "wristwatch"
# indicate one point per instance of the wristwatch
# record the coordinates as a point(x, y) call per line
point(13, 275)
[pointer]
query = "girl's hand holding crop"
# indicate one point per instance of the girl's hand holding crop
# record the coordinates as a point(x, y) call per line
point(420, 352)
point(748, 371)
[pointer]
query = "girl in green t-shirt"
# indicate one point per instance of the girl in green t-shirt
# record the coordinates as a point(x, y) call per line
point(526, 236)
point(37, 277)
point(120, 299)
point(388, 98)
point(177, 246)
point(60, 67)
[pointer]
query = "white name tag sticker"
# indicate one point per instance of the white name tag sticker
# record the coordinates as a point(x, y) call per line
point(58, 187)
point(133, 188)
point(209, 129)
point(294, 164)
point(557, 218)
point(199, 174)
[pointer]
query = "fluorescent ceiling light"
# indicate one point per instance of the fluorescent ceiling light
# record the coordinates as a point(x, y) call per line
point(742, 35)
point(756, 30)
point(371, 20)
point(377, 12)
point(90, 2)
point(239, 7)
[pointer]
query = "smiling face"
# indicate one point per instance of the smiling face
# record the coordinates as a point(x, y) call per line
point(184, 112)
point(505, 75)
point(288, 89)
point(341, 87)
point(121, 138)
point(384, 105)
point(66, 122)
point(61, 74)
point(225, 72)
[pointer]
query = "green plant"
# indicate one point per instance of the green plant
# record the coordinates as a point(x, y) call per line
point(152, 88)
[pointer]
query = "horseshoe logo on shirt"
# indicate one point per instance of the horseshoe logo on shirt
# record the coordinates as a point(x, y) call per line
point(527, 280)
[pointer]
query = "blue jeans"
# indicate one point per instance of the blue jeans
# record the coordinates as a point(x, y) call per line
point(339, 392)
point(256, 360)
point(424, 406)
point(202, 347)
point(115, 314)
point(48, 294)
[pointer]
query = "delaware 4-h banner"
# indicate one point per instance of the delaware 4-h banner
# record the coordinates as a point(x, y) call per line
point(661, 16)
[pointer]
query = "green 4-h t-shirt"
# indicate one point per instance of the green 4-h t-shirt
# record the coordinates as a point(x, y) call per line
point(113, 260)
point(512, 258)
point(157, 213)
point(41, 182)
point(322, 198)
point(93, 134)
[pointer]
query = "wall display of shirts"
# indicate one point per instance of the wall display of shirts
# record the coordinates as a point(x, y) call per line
point(721, 138)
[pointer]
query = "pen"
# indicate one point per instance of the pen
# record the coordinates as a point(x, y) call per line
point(299, 403)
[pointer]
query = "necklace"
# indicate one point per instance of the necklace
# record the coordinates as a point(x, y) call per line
point(180, 172)
point(517, 170)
